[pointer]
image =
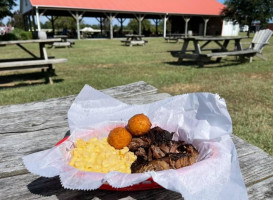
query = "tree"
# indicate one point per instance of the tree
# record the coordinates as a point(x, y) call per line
point(245, 12)
point(145, 25)
point(6, 7)
point(18, 21)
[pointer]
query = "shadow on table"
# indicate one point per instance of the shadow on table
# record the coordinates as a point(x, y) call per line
point(25, 79)
point(211, 64)
point(52, 186)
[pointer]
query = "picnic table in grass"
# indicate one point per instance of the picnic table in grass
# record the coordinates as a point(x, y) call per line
point(133, 39)
point(42, 61)
point(201, 54)
point(177, 37)
point(32, 127)
point(64, 41)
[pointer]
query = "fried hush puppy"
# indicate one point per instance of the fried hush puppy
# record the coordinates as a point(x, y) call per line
point(119, 137)
point(139, 124)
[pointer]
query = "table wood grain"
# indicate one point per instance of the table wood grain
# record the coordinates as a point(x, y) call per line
point(36, 126)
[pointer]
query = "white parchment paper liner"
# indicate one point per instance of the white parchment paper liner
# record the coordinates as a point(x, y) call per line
point(199, 118)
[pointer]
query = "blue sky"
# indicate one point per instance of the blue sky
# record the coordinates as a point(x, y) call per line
point(86, 20)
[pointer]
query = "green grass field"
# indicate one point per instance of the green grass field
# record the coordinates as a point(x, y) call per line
point(246, 87)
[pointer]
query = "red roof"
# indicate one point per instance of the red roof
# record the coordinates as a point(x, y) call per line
point(191, 7)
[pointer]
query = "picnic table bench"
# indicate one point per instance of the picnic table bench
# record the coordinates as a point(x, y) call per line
point(174, 37)
point(64, 41)
point(32, 127)
point(132, 39)
point(201, 54)
point(42, 61)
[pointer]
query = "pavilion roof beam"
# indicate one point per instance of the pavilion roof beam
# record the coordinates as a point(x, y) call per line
point(78, 18)
point(186, 19)
point(38, 18)
point(165, 19)
point(139, 18)
point(111, 17)
point(206, 20)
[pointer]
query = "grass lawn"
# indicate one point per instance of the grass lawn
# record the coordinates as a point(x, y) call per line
point(246, 87)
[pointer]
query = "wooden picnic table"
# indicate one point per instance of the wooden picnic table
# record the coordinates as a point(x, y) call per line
point(64, 41)
point(177, 37)
point(41, 42)
point(32, 127)
point(34, 61)
point(133, 39)
point(201, 54)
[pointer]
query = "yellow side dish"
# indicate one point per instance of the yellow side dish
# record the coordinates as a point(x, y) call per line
point(98, 156)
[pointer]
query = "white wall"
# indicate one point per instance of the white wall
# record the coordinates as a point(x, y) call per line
point(230, 29)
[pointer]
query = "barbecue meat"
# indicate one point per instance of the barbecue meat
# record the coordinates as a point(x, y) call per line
point(159, 136)
point(138, 142)
point(157, 151)
point(155, 165)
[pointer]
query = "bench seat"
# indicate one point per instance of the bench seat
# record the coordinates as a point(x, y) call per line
point(134, 42)
point(29, 64)
point(246, 52)
point(61, 44)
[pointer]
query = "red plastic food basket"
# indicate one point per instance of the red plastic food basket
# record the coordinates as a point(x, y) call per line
point(149, 184)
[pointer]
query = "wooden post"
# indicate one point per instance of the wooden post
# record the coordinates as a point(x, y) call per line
point(78, 18)
point(139, 19)
point(156, 21)
point(38, 18)
point(165, 25)
point(33, 20)
point(205, 27)
point(26, 24)
point(100, 20)
point(186, 19)
point(52, 20)
point(78, 25)
point(111, 18)
point(121, 20)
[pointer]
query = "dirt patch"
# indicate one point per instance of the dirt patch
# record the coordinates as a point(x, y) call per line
point(182, 88)
point(260, 76)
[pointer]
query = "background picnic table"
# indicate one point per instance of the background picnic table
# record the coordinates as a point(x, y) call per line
point(33, 127)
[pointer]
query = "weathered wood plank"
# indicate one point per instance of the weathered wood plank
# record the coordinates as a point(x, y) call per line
point(45, 118)
point(243, 148)
point(262, 190)
point(61, 102)
point(30, 63)
point(247, 52)
point(29, 186)
point(30, 41)
point(133, 89)
point(256, 167)
point(13, 147)
point(144, 99)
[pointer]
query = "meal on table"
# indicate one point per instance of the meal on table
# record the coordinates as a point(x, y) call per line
point(135, 148)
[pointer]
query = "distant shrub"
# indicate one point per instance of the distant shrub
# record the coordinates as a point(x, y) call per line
point(8, 36)
point(26, 35)
point(17, 34)
point(21, 34)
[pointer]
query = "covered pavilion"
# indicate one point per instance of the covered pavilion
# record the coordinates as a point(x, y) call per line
point(121, 9)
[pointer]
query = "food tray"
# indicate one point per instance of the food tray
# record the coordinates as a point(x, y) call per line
point(149, 184)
